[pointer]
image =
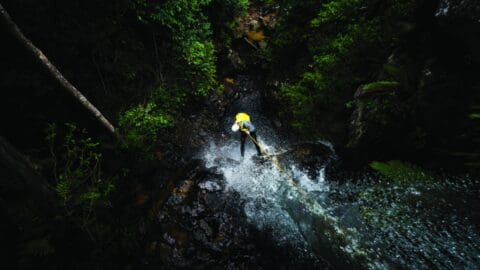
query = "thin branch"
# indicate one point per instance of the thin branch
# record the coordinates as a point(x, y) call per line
point(100, 75)
point(6, 20)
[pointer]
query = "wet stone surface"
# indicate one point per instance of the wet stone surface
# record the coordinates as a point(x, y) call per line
point(202, 225)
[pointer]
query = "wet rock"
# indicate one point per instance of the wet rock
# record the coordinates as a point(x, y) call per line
point(170, 240)
point(200, 236)
point(262, 44)
point(309, 157)
point(202, 225)
point(376, 89)
point(205, 227)
point(180, 193)
point(277, 123)
point(461, 19)
point(269, 20)
point(210, 186)
point(254, 25)
point(224, 161)
point(235, 60)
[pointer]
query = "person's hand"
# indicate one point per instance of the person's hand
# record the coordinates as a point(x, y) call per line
point(248, 132)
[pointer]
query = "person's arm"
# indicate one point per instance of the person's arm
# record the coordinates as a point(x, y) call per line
point(249, 126)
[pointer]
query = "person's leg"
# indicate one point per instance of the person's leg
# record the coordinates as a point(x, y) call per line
point(243, 136)
point(254, 136)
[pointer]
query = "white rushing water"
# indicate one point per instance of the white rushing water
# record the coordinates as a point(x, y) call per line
point(362, 223)
point(416, 224)
point(262, 186)
point(274, 203)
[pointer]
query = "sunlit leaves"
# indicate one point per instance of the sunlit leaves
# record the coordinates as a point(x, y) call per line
point(189, 32)
point(140, 125)
point(335, 12)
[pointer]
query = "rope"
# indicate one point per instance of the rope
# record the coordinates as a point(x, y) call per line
point(308, 199)
point(275, 163)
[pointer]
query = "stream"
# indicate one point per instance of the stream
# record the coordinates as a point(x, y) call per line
point(366, 222)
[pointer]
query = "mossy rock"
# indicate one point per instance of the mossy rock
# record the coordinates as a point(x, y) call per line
point(392, 70)
point(376, 89)
point(400, 171)
point(474, 116)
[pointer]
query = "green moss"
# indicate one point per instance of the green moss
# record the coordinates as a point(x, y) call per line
point(474, 116)
point(392, 69)
point(401, 171)
point(380, 85)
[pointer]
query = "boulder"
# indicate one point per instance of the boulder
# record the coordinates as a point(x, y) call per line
point(308, 157)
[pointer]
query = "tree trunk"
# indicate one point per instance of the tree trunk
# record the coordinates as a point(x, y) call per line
point(15, 31)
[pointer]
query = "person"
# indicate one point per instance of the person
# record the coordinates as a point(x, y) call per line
point(244, 124)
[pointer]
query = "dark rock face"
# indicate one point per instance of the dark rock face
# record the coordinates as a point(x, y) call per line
point(461, 18)
point(459, 9)
point(197, 225)
point(309, 157)
point(201, 225)
point(435, 68)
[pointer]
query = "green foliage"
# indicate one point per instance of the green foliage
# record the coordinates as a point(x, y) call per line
point(78, 179)
point(344, 42)
point(380, 85)
point(140, 126)
point(300, 98)
point(63, 189)
point(231, 8)
point(38, 248)
point(224, 16)
point(169, 99)
point(402, 8)
point(474, 116)
point(299, 102)
point(188, 39)
point(392, 70)
point(384, 111)
point(391, 199)
point(335, 12)
point(400, 171)
point(265, 2)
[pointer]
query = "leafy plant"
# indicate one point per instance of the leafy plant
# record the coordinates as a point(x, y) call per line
point(329, 51)
point(188, 39)
point(380, 85)
point(78, 178)
point(140, 126)
point(38, 247)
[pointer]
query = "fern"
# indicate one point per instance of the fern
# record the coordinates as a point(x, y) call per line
point(64, 189)
point(38, 247)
